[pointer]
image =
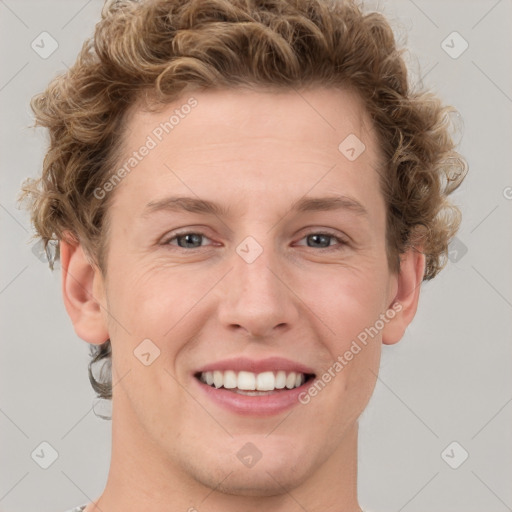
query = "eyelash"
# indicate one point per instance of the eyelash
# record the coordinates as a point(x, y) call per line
point(341, 242)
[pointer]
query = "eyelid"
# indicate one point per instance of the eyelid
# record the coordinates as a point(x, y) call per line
point(342, 239)
point(186, 231)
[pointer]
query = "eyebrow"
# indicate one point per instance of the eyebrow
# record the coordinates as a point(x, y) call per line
point(305, 204)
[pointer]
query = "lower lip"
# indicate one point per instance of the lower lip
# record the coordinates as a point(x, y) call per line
point(262, 405)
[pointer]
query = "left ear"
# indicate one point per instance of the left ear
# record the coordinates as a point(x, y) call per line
point(405, 303)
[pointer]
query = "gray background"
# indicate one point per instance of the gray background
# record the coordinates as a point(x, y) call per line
point(448, 380)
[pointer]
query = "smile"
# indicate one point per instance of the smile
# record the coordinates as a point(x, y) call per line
point(252, 387)
point(253, 384)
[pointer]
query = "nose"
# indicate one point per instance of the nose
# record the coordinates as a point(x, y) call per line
point(256, 295)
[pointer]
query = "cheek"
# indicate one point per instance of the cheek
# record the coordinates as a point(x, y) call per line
point(152, 301)
point(350, 303)
point(346, 300)
point(159, 304)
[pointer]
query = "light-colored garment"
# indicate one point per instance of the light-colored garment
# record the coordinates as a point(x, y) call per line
point(81, 507)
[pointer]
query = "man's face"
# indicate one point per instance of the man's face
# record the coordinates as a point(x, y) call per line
point(262, 287)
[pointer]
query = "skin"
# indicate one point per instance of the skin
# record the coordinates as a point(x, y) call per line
point(256, 153)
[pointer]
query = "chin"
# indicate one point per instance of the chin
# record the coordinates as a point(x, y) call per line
point(257, 482)
point(274, 472)
point(258, 485)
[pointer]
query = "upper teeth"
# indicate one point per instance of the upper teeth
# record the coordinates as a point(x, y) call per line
point(266, 381)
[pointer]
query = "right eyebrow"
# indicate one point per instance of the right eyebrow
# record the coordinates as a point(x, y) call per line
point(189, 204)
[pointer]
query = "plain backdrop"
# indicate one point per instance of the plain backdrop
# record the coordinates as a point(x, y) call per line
point(444, 392)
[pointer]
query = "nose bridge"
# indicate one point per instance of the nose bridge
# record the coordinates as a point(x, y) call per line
point(252, 267)
point(255, 298)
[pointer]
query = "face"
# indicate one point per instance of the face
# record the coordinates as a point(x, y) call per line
point(270, 289)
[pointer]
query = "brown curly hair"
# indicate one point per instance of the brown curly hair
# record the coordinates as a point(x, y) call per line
point(158, 49)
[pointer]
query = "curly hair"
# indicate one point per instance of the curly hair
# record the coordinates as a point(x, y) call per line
point(158, 49)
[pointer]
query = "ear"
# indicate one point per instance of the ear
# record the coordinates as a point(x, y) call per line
point(82, 290)
point(405, 303)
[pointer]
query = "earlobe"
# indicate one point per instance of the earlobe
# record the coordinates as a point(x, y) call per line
point(82, 290)
point(405, 304)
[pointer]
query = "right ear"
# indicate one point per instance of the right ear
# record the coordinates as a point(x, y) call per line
point(83, 292)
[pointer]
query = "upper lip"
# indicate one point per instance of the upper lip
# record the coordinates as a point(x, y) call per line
point(239, 364)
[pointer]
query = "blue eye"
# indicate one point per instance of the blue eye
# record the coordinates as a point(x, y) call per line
point(192, 240)
point(322, 238)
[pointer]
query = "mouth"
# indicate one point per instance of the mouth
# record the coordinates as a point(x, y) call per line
point(254, 384)
point(259, 388)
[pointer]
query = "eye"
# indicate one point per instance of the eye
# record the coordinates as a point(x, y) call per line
point(187, 240)
point(322, 241)
point(193, 239)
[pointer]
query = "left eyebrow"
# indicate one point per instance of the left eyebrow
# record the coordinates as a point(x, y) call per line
point(311, 204)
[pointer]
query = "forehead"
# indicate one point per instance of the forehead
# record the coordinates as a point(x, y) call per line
point(255, 113)
point(254, 142)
